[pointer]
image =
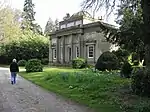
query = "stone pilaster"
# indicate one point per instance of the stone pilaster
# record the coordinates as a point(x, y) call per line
point(50, 53)
point(94, 53)
point(57, 50)
point(63, 49)
point(72, 37)
point(81, 45)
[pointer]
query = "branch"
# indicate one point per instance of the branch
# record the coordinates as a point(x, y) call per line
point(109, 5)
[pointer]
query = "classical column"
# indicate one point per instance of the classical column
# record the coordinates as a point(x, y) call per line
point(72, 37)
point(63, 49)
point(81, 44)
point(94, 53)
point(57, 50)
point(50, 52)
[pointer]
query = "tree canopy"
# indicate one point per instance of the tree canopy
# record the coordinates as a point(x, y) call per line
point(29, 18)
point(135, 24)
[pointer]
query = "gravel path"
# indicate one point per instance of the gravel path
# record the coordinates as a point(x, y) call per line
point(27, 97)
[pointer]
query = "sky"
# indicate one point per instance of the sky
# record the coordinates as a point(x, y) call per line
point(54, 9)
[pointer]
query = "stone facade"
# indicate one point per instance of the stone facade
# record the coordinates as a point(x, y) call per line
point(82, 40)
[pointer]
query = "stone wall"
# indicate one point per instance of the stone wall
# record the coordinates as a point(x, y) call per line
point(81, 37)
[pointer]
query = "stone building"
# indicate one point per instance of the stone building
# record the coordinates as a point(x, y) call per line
point(78, 35)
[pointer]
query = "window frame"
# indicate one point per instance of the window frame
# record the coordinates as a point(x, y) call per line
point(90, 51)
point(77, 52)
point(54, 53)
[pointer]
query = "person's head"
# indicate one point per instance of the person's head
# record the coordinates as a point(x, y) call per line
point(14, 60)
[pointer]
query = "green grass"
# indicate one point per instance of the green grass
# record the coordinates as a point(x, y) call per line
point(103, 91)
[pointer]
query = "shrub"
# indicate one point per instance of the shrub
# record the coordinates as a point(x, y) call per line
point(79, 63)
point(126, 70)
point(34, 65)
point(122, 56)
point(26, 49)
point(141, 81)
point(45, 61)
point(22, 62)
point(135, 59)
point(107, 61)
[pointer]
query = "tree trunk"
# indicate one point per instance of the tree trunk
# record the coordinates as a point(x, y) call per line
point(145, 4)
point(147, 55)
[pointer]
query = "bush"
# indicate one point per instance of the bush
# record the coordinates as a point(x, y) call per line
point(122, 56)
point(141, 81)
point(45, 61)
point(135, 59)
point(25, 49)
point(90, 66)
point(126, 70)
point(79, 63)
point(34, 65)
point(22, 62)
point(107, 61)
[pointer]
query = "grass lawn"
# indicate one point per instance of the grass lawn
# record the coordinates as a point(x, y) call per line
point(103, 91)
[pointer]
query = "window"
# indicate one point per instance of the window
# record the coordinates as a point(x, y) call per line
point(90, 51)
point(78, 22)
point(62, 26)
point(54, 53)
point(69, 49)
point(70, 24)
point(77, 52)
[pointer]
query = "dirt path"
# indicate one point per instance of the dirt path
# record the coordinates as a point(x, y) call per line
point(27, 97)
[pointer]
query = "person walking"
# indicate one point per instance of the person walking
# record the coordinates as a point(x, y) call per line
point(13, 70)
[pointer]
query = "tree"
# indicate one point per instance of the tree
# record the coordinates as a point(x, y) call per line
point(9, 25)
point(30, 46)
point(28, 22)
point(50, 26)
point(130, 34)
point(28, 14)
point(38, 29)
point(56, 24)
point(144, 4)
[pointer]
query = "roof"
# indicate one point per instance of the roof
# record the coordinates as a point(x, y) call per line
point(81, 13)
point(77, 16)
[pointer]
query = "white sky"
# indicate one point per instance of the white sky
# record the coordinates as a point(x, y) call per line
point(53, 8)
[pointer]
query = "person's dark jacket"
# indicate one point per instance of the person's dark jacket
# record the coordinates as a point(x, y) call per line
point(14, 67)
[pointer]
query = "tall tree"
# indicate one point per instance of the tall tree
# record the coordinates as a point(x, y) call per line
point(56, 24)
point(28, 14)
point(9, 25)
point(50, 26)
point(29, 18)
point(109, 6)
point(130, 34)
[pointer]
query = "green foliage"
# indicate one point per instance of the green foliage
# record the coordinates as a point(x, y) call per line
point(135, 59)
point(107, 61)
point(141, 81)
point(9, 24)
point(94, 89)
point(104, 91)
point(28, 22)
point(22, 62)
point(34, 65)
point(28, 12)
point(44, 61)
point(26, 48)
point(126, 70)
point(122, 56)
point(90, 66)
point(79, 63)
point(145, 108)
